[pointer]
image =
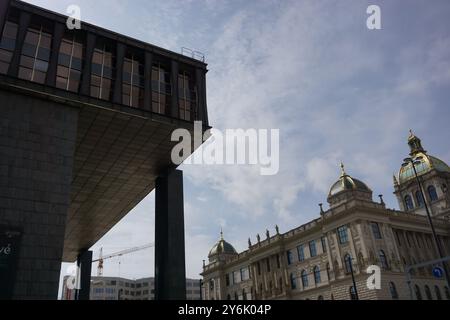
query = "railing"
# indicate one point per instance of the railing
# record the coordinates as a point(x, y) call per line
point(197, 55)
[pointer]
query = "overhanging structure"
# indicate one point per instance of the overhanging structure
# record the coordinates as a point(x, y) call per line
point(86, 122)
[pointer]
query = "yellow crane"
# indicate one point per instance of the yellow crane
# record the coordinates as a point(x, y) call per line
point(101, 258)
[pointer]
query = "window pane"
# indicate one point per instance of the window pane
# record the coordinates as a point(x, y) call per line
point(27, 62)
point(43, 54)
point(97, 69)
point(78, 50)
point(63, 72)
point(73, 86)
point(10, 30)
point(29, 49)
point(39, 77)
point(95, 81)
point(95, 91)
point(107, 72)
point(97, 58)
point(41, 65)
point(46, 41)
point(64, 59)
point(8, 44)
point(76, 63)
point(66, 47)
point(4, 67)
point(61, 82)
point(32, 37)
point(24, 73)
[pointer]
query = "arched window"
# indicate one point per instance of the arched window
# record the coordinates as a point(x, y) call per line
point(447, 293)
point(419, 199)
point(438, 293)
point(317, 278)
point(408, 203)
point(383, 260)
point(432, 193)
point(393, 291)
point(293, 282)
point(320, 298)
point(375, 230)
point(428, 293)
point(418, 293)
point(352, 293)
point(328, 271)
point(304, 278)
point(348, 263)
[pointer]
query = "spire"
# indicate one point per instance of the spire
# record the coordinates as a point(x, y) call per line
point(221, 233)
point(415, 144)
point(343, 173)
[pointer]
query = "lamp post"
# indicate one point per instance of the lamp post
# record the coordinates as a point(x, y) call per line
point(350, 264)
point(413, 163)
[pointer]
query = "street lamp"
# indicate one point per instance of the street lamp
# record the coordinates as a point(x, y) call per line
point(414, 162)
point(350, 264)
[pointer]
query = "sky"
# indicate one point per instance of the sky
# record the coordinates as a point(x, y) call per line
point(336, 90)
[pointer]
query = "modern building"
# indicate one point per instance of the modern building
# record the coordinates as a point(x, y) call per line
point(316, 260)
point(116, 288)
point(85, 135)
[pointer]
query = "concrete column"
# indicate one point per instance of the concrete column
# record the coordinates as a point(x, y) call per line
point(58, 33)
point(201, 111)
point(84, 262)
point(170, 269)
point(4, 5)
point(120, 56)
point(174, 109)
point(24, 22)
point(148, 81)
point(86, 75)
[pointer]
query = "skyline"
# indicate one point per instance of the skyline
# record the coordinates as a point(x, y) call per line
point(346, 94)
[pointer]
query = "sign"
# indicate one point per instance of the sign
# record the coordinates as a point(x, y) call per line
point(438, 272)
point(9, 251)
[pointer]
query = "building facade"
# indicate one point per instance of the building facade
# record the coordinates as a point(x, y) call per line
point(116, 288)
point(316, 260)
point(85, 135)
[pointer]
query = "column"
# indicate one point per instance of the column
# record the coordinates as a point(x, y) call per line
point(84, 262)
point(86, 75)
point(58, 33)
point(24, 22)
point(170, 270)
point(201, 111)
point(120, 56)
point(174, 110)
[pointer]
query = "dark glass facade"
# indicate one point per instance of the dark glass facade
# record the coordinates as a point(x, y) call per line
point(70, 62)
point(7, 45)
point(102, 72)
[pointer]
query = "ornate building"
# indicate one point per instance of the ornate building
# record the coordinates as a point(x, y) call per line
point(316, 260)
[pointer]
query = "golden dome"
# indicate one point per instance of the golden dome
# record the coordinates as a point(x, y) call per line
point(346, 182)
point(427, 162)
point(221, 247)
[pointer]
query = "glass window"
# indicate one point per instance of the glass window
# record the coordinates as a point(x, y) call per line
point(312, 248)
point(383, 260)
point(187, 96)
point(418, 293)
point(419, 199)
point(375, 230)
point(428, 293)
point(35, 55)
point(342, 234)
point(324, 244)
point(101, 72)
point(393, 291)
point(161, 89)
point(317, 278)
point(432, 193)
point(353, 295)
point(304, 276)
point(437, 291)
point(301, 253)
point(348, 263)
point(7, 45)
point(245, 275)
point(293, 281)
point(132, 82)
point(408, 203)
point(289, 256)
point(69, 64)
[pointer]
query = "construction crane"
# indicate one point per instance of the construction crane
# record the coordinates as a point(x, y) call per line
point(101, 258)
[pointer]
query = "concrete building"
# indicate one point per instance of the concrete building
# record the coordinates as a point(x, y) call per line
point(87, 117)
point(116, 288)
point(315, 260)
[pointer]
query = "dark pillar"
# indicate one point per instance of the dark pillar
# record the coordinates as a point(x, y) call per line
point(120, 56)
point(84, 262)
point(148, 81)
point(58, 33)
point(174, 110)
point(24, 22)
point(86, 78)
point(170, 269)
point(4, 5)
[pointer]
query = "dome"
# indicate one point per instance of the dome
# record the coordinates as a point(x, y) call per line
point(347, 182)
point(427, 162)
point(221, 247)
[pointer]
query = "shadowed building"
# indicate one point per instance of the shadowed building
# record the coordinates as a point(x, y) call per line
point(316, 260)
point(87, 117)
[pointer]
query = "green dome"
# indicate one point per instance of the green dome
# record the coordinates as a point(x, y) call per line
point(221, 247)
point(427, 163)
point(347, 182)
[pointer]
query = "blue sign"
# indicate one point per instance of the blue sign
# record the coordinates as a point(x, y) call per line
point(438, 272)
